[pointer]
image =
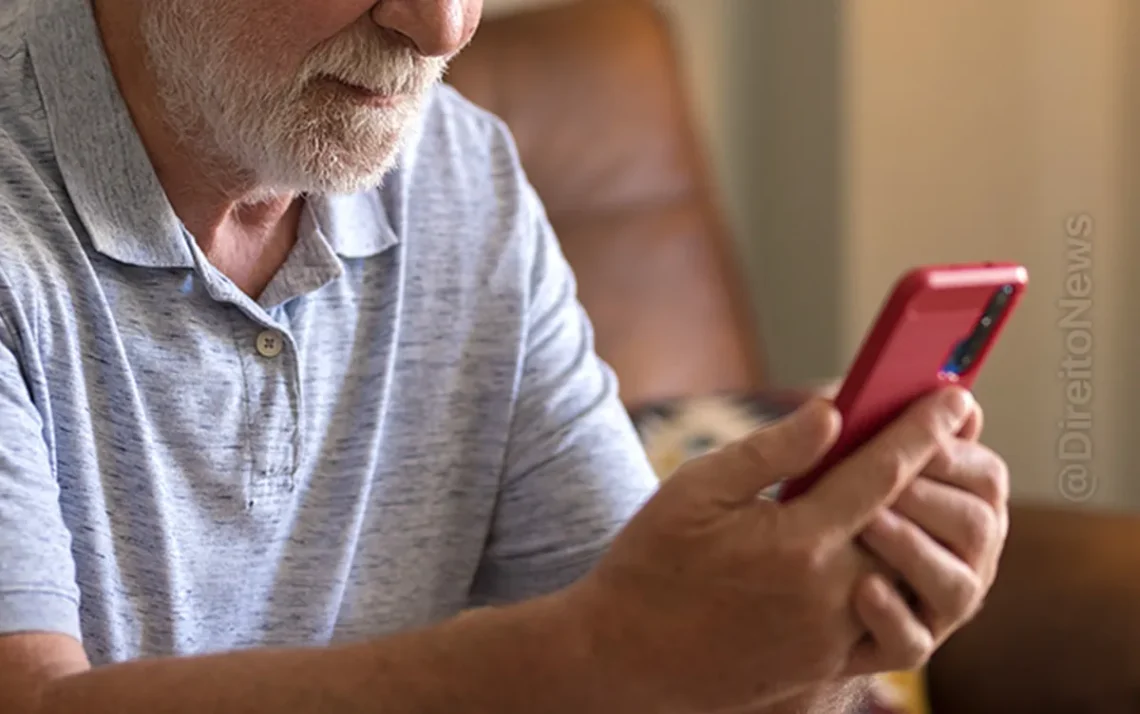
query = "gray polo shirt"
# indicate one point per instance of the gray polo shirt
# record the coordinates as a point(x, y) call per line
point(410, 421)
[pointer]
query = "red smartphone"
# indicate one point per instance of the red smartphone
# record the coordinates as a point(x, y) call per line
point(935, 329)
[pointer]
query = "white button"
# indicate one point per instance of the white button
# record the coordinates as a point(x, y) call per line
point(270, 343)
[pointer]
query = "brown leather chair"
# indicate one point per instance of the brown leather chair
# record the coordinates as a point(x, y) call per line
point(592, 93)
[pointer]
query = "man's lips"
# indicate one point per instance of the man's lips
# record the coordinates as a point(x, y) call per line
point(366, 96)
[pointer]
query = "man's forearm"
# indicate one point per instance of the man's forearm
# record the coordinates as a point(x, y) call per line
point(525, 658)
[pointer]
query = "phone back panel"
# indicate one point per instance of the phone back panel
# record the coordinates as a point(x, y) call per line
point(928, 315)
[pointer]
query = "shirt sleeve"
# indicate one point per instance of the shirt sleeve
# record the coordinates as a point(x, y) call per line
point(575, 469)
point(37, 573)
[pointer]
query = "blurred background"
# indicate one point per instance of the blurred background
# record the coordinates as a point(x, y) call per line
point(738, 183)
point(853, 139)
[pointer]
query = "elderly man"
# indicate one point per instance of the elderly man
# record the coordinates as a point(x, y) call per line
point(298, 412)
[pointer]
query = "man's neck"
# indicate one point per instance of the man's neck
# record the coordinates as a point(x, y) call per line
point(245, 235)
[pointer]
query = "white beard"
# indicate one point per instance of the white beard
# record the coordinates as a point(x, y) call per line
point(276, 133)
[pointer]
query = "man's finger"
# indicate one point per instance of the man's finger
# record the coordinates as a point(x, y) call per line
point(972, 431)
point(897, 639)
point(947, 587)
point(973, 468)
point(966, 524)
point(849, 496)
point(740, 471)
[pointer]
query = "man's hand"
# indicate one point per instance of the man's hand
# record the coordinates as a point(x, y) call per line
point(713, 598)
point(944, 536)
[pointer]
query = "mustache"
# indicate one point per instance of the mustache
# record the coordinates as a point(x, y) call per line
point(364, 56)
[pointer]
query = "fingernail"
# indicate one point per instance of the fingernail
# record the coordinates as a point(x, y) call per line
point(960, 403)
point(815, 413)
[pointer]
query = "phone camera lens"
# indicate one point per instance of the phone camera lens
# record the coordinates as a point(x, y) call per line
point(999, 301)
point(966, 352)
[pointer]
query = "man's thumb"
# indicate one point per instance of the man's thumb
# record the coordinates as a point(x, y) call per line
point(783, 449)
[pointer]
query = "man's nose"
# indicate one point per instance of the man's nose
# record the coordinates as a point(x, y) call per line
point(437, 28)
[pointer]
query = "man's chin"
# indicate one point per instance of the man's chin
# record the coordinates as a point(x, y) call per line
point(335, 170)
point(346, 183)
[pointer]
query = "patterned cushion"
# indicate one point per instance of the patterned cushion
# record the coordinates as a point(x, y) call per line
point(678, 430)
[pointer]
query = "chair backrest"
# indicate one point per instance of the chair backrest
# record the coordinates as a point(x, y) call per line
point(593, 92)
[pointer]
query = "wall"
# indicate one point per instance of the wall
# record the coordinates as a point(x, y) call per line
point(857, 138)
point(986, 130)
point(786, 177)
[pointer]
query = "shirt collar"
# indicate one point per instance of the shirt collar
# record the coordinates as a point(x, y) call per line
point(108, 173)
point(354, 225)
point(364, 224)
point(101, 157)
